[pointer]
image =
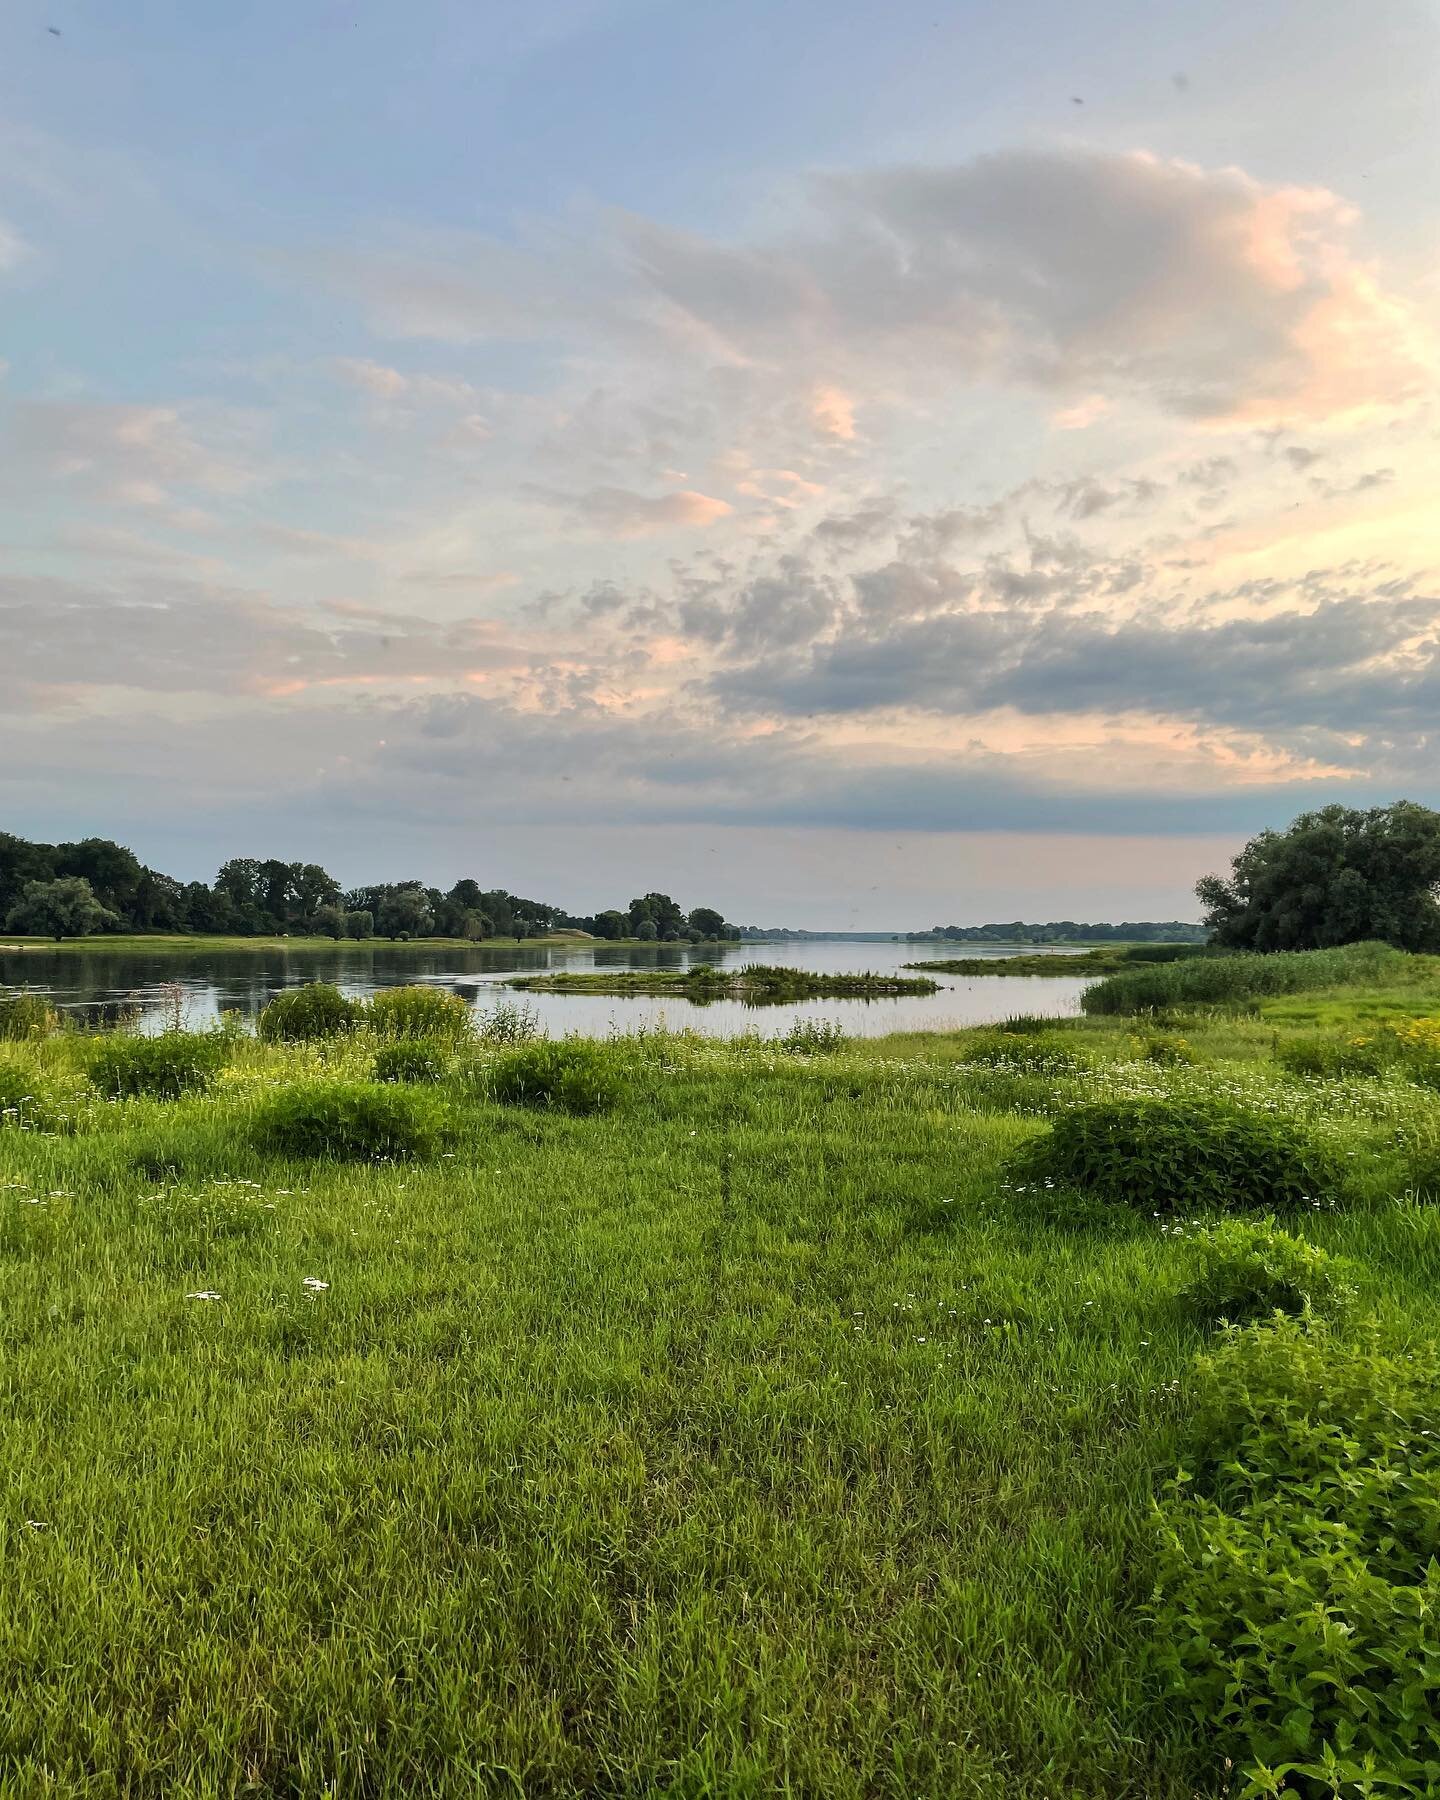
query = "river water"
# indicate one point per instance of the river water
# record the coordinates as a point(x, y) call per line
point(96, 984)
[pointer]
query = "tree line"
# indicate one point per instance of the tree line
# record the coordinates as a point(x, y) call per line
point(1067, 931)
point(74, 890)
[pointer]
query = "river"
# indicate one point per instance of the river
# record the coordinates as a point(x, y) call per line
point(96, 984)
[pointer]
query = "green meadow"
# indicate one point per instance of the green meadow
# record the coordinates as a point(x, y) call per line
point(394, 1411)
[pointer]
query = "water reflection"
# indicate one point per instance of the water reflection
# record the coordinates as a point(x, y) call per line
point(104, 988)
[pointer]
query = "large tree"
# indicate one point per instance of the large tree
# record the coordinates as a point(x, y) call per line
point(1336, 876)
point(63, 908)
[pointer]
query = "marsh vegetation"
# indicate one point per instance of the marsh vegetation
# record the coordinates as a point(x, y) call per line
point(453, 1413)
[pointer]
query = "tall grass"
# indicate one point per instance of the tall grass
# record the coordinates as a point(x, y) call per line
point(1240, 979)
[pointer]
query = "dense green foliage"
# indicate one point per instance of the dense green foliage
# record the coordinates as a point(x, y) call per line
point(1337, 876)
point(1239, 981)
point(349, 1121)
point(1297, 1608)
point(412, 1059)
point(418, 1012)
point(573, 1076)
point(165, 1067)
point(265, 896)
point(304, 1015)
point(1245, 1270)
point(1177, 1154)
point(65, 907)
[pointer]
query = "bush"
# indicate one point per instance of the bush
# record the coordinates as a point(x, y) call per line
point(1335, 1058)
point(1184, 1153)
point(1297, 1605)
point(1167, 1052)
point(418, 1012)
point(303, 1015)
point(411, 1059)
point(27, 1016)
point(1015, 1046)
point(1245, 1271)
point(573, 1076)
point(507, 1023)
point(813, 1037)
point(354, 1121)
point(163, 1067)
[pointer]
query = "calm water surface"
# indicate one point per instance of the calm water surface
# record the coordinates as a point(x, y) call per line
point(95, 984)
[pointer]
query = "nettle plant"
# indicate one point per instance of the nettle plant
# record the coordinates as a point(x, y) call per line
point(1297, 1602)
point(1243, 1270)
point(573, 1076)
point(418, 1012)
point(162, 1067)
point(305, 1015)
point(1186, 1154)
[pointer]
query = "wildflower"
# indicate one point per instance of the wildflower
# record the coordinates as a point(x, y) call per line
point(315, 1284)
point(203, 1294)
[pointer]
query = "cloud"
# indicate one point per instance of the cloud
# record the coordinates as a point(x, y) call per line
point(132, 455)
point(617, 512)
point(1080, 270)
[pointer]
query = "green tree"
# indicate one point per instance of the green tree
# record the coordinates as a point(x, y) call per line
point(405, 912)
point(707, 922)
point(359, 922)
point(328, 921)
point(65, 907)
point(1336, 876)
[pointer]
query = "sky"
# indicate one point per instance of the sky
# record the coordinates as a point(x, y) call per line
point(852, 465)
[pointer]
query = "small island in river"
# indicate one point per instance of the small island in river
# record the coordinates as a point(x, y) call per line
point(757, 984)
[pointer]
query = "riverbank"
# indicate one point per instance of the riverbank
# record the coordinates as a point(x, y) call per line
point(131, 942)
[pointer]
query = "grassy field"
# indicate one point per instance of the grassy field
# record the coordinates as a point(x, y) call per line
point(761, 1432)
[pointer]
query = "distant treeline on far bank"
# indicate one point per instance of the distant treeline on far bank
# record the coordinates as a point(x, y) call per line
point(96, 885)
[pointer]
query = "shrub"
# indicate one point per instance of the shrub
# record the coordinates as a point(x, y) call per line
point(1333, 1058)
point(1297, 1605)
point(411, 1059)
point(163, 1067)
point(573, 1076)
point(1183, 1153)
point(1167, 1052)
point(507, 1023)
point(1246, 1270)
point(355, 1121)
point(1023, 1050)
point(418, 1012)
point(303, 1015)
point(27, 1016)
point(813, 1037)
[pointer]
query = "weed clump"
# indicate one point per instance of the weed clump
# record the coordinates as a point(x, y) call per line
point(1017, 1047)
point(306, 1014)
point(813, 1037)
point(1185, 1154)
point(352, 1121)
point(1336, 1058)
point(27, 1016)
point(418, 1012)
point(412, 1059)
point(1295, 1605)
point(1245, 1270)
point(160, 1068)
point(30, 1100)
point(509, 1023)
point(573, 1076)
